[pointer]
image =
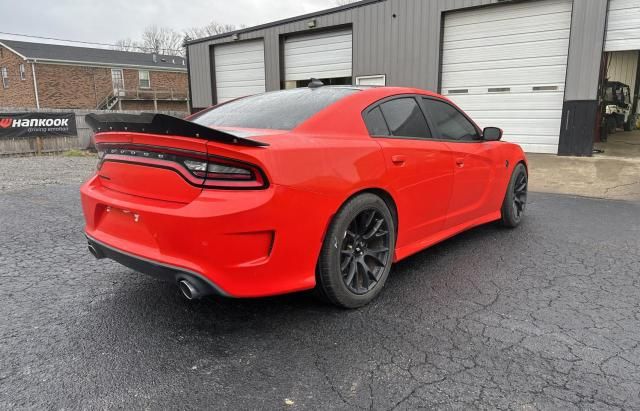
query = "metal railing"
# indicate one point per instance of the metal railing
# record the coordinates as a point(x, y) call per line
point(111, 99)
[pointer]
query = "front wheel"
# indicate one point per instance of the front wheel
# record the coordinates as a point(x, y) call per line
point(515, 200)
point(357, 252)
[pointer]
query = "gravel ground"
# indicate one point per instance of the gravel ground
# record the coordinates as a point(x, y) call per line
point(18, 173)
point(541, 317)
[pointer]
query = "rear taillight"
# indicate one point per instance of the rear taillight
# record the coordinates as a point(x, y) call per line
point(197, 168)
point(224, 172)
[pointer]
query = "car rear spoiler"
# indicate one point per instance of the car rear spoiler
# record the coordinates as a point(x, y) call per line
point(163, 124)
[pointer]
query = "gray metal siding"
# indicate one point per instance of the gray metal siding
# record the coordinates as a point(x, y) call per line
point(407, 48)
point(585, 49)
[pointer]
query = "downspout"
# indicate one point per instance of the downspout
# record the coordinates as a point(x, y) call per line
point(35, 83)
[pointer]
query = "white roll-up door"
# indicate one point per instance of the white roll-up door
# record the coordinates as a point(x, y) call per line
point(239, 69)
point(322, 55)
point(506, 67)
point(623, 26)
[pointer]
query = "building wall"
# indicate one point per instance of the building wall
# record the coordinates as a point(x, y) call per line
point(585, 49)
point(66, 86)
point(401, 38)
point(20, 93)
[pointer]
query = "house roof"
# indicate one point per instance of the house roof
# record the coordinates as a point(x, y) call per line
point(93, 56)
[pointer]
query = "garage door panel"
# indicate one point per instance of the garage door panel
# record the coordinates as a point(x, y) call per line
point(304, 60)
point(326, 54)
point(239, 69)
point(234, 60)
point(514, 49)
point(507, 63)
point(515, 127)
point(311, 51)
point(518, 27)
point(506, 39)
point(623, 25)
point(496, 115)
point(505, 77)
point(325, 40)
point(508, 101)
point(498, 13)
point(248, 76)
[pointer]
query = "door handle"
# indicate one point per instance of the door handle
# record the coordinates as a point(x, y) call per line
point(460, 162)
point(398, 159)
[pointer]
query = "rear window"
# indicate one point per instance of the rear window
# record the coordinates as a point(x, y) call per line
point(276, 110)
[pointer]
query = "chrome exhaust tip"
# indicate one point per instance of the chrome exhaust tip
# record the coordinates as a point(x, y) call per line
point(188, 290)
point(95, 252)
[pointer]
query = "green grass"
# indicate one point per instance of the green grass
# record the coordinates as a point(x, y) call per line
point(78, 153)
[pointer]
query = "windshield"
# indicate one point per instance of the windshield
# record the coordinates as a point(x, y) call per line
point(276, 110)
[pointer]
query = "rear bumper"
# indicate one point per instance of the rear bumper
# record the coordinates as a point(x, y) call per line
point(155, 269)
point(242, 243)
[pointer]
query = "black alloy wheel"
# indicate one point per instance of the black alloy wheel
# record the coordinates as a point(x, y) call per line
point(365, 251)
point(515, 199)
point(520, 195)
point(357, 252)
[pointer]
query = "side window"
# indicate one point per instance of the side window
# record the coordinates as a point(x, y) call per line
point(405, 118)
point(451, 124)
point(375, 123)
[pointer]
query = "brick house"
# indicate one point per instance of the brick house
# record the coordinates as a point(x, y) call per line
point(36, 75)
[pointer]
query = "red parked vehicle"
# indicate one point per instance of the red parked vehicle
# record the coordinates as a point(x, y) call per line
point(319, 187)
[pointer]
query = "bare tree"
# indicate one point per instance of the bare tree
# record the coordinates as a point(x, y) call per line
point(127, 45)
point(162, 40)
point(211, 29)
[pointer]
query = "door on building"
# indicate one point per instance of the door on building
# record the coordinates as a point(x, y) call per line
point(620, 76)
point(325, 55)
point(117, 80)
point(239, 69)
point(505, 65)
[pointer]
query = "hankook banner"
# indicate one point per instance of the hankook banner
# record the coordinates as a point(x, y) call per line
point(37, 124)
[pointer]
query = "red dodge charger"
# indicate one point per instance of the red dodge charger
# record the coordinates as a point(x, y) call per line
point(320, 187)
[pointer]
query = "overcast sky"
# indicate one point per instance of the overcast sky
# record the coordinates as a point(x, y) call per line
point(111, 20)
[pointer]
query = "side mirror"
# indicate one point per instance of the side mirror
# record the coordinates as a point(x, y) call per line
point(491, 134)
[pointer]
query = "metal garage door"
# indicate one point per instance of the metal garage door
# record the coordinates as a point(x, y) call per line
point(506, 66)
point(623, 25)
point(322, 55)
point(239, 69)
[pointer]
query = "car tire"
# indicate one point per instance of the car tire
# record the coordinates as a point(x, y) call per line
point(357, 252)
point(515, 199)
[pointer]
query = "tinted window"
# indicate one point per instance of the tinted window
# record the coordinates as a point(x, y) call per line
point(405, 118)
point(451, 124)
point(277, 110)
point(375, 123)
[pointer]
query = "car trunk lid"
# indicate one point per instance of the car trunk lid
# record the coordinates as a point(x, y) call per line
point(157, 156)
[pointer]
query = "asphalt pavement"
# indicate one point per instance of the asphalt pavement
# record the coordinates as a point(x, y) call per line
point(545, 316)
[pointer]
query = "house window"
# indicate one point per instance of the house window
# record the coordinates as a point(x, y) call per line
point(143, 79)
point(5, 77)
point(22, 73)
